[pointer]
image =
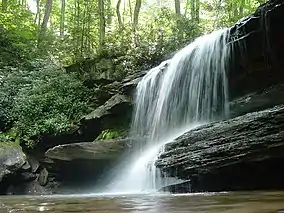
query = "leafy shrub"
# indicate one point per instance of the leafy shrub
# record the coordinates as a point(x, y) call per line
point(41, 100)
point(5, 138)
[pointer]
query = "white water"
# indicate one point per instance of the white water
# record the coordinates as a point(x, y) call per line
point(192, 90)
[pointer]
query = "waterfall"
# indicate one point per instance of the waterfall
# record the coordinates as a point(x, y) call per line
point(190, 91)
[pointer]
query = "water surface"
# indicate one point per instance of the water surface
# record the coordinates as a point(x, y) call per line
point(253, 202)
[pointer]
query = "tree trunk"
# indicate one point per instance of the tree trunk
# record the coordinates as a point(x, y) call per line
point(62, 17)
point(83, 26)
point(24, 3)
point(88, 40)
point(158, 3)
point(102, 23)
point(4, 5)
point(120, 24)
point(78, 30)
point(136, 14)
point(130, 10)
point(37, 17)
point(124, 11)
point(177, 7)
point(178, 21)
point(192, 9)
point(109, 13)
point(241, 10)
point(48, 7)
point(186, 7)
point(197, 8)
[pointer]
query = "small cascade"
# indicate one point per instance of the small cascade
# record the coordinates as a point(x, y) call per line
point(192, 90)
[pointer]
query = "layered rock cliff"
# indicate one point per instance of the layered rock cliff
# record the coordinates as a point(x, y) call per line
point(237, 154)
point(258, 50)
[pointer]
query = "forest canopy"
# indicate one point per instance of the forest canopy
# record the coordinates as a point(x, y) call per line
point(72, 30)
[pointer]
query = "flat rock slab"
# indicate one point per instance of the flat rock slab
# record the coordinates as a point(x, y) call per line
point(97, 150)
point(108, 108)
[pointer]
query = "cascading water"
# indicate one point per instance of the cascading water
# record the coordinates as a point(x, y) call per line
point(191, 90)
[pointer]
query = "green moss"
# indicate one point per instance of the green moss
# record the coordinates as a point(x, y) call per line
point(8, 141)
point(4, 137)
point(110, 134)
point(9, 138)
point(9, 144)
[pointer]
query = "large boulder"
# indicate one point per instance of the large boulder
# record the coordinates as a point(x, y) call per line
point(243, 153)
point(16, 174)
point(116, 112)
point(77, 167)
point(12, 159)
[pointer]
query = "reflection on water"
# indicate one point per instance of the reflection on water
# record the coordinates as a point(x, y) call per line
point(255, 202)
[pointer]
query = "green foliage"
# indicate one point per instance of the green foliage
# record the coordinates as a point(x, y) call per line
point(5, 138)
point(43, 99)
point(18, 24)
point(9, 136)
point(9, 53)
point(166, 31)
point(109, 134)
point(226, 13)
point(158, 36)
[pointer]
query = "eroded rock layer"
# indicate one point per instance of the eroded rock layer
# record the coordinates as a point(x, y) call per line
point(238, 154)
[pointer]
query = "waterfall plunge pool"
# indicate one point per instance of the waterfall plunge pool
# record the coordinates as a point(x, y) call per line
point(232, 202)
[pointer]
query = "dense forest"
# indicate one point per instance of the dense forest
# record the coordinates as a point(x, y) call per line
point(38, 38)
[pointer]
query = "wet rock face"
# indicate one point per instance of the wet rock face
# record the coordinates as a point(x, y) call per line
point(260, 100)
point(238, 154)
point(258, 50)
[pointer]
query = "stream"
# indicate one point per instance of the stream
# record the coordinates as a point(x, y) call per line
point(232, 202)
